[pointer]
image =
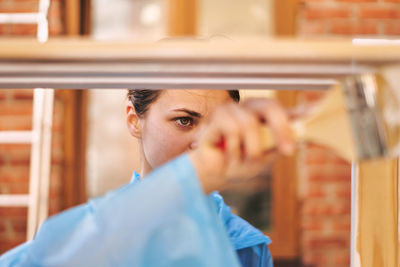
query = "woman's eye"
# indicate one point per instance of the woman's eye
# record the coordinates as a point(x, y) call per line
point(184, 121)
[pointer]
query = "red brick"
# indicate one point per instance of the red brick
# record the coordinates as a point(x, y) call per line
point(392, 28)
point(328, 242)
point(24, 29)
point(312, 225)
point(54, 193)
point(58, 119)
point(23, 94)
point(379, 13)
point(19, 6)
point(342, 226)
point(6, 178)
point(19, 154)
point(316, 157)
point(18, 221)
point(326, 13)
point(311, 28)
point(315, 191)
point(357, 1)
point(14, 211)
point(20, 162)
point(54, 206)
point(343, 191)
point(16, 108)
point(14, 147)
point(56, 28)
point(330, 178)
point(311, 1)
point(319, 208)
point(342, 260)
point(16, 123)
point(14, 237)
point(19, 157)
point(3, 93)
point(340, 208)
point(20, 226)
point(314, 259)
point(54, 11)
point(21, 170)
point(5, 29)
point(5, 246)
point(16, 188)
point(56, 159)
point(350, 28)
point(340, 161)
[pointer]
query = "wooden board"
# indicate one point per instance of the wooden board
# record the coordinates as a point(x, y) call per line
point(375, 215)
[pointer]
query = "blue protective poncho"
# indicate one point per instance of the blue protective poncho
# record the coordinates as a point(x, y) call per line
point(249, 242)
point(165, 220)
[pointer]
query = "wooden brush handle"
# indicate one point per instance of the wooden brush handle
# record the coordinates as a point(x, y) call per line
point(329, 126)
point(267, 139)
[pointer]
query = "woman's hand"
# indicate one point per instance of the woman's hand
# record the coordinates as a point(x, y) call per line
point(243, 156)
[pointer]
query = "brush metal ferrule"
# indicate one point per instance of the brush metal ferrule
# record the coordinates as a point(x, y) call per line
point(360, 93)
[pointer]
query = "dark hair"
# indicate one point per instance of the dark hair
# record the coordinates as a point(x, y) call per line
point(142, 98)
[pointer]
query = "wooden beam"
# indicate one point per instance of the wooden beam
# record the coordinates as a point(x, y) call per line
point(375, 233)
point(74, 182)
point(375, 187)
point(181, 17)
point(285, 16)
point(242, 50)
point(77, 22)
point(72, 17)
point(284, 197)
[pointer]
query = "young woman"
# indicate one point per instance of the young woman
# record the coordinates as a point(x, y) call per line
point(193, 142)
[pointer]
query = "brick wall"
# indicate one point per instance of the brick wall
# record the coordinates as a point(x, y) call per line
point(16, 114)
point(325, 201)
point(349, 17)
point(325, 208)
point(325, 180)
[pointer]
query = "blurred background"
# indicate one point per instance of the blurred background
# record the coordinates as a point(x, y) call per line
point(302, 202)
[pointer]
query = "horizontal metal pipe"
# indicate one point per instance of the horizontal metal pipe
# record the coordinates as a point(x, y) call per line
point(166, 82)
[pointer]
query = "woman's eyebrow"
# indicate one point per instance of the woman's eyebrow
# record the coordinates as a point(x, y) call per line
point(190, 112)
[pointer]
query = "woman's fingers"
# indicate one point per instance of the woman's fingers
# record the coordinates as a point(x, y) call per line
point(278, 121)
point(250, 131)
point(239, 127)
point(223, 128)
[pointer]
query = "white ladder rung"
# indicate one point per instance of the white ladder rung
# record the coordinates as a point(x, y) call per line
point(24, 18)
point(16, 137)
point(15, 200)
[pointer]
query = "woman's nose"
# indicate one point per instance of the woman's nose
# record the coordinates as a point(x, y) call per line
point(199, 131)
point(193, 145)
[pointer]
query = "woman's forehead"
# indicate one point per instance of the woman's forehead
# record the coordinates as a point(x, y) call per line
point(198, 98)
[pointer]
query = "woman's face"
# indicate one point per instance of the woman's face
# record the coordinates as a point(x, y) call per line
point(174, 122)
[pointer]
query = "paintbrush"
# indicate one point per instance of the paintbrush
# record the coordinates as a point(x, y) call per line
point(348, 120)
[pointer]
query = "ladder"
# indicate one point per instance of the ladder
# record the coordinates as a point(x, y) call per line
point(37, 200)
